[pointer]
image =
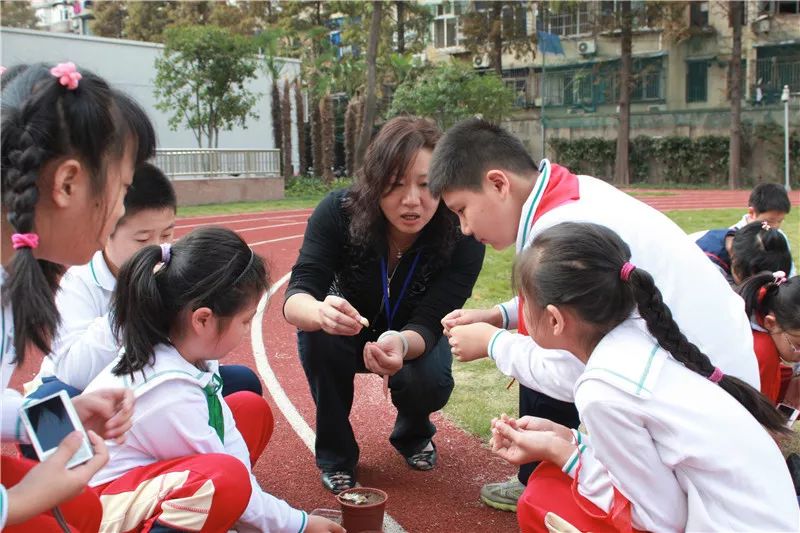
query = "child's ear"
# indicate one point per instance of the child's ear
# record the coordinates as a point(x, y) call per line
point(751, 213)
point(555, 320)
point(202, 320)
point(498, 181)
point(68, 176)
point(770, 324)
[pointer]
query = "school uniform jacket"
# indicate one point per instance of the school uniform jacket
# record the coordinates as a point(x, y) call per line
point(708, 312)
point(11, 400)
point(687, 455)
point(84, 344)
point(170, 420)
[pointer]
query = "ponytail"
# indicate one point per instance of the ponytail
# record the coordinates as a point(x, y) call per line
point(210, 267)
point(768, 292)
point(668, 335)
point(141, 320)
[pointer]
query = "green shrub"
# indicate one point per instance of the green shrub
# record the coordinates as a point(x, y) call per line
point(307, 186)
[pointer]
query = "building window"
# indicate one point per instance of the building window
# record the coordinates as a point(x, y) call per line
point(517, 80)
point(573, 19)
point(446, 25)
point(698, 14)
point(777, 66)
point(781, 7)
point(697, 81)
point(648, 77)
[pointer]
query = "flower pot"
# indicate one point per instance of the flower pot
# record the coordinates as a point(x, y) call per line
point(362, 509)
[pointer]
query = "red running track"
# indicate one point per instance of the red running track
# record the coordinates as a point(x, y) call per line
point(444, 499)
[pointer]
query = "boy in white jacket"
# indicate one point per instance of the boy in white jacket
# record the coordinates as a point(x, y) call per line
point(489, 180)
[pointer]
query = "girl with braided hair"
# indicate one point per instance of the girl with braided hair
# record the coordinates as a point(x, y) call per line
point(661, 418)
point(70, 144)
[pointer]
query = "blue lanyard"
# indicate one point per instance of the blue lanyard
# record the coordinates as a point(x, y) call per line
point(392, 311)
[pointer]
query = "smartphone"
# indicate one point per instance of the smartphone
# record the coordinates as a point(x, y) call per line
point(48, 421)
point(789, 412)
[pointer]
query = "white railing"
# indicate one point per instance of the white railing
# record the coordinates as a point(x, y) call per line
point(218, 162)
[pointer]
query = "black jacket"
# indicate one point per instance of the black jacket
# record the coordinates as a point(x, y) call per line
point(330, 264)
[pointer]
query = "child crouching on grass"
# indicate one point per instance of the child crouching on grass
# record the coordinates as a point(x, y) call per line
point(673, 443)
point(187, 463)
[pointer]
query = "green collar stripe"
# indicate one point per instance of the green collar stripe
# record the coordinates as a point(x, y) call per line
point(647, 369)
point(542, 182)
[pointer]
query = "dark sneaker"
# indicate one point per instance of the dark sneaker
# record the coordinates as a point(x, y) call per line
point(503, 496)
point(424, 460)
point(338, 480)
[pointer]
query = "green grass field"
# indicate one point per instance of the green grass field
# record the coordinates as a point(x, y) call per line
point(480, 392)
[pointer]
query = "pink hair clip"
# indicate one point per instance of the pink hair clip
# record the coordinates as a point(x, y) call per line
point(780, 277)
point(625, 271)
point(67, 74)
point(765, 226)
point(2, 70)
point(24, 240)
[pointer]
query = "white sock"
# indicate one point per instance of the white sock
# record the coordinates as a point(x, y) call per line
point(428, 448)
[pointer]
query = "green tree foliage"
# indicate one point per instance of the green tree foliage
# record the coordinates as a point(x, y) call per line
point(109, 19)
point(495, 28)
point(18, 14)
point(201, 79)
point(450, 92)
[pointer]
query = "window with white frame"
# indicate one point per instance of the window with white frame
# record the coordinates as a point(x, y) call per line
point(447, 25)
point(569, 19)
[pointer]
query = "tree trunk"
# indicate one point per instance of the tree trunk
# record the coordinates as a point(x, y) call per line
point(300, 113)
point(316, 138)
point(286, 124)
point(621, 171)
point(350, 131)
point(369, 109)
point(734, 158)
point(496, 37)
point(326, 121)
point(401, 27)
point(277, 134)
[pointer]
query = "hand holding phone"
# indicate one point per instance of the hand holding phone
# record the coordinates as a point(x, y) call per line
point(789, 412)
point(51, 482)
point(107, 412)
point(49, 421)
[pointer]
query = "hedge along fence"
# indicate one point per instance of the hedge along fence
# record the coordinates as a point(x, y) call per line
point(682, 160)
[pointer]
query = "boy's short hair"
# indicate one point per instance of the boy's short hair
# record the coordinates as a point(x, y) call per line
point(150, 189)
point(769, 197)
point(469, 149)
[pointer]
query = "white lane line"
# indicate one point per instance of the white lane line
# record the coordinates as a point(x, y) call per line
point(237, 221)
point(270, 226)
point(280, 212)
point(293, 416)
point(275, 240)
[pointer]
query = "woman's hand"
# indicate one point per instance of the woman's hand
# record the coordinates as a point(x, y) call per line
point(519, 445)
point(384, 357)
point(107, 412)
point(50, 482)
point(471, 342)
point(338, 317)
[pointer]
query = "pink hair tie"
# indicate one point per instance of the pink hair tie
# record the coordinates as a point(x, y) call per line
point(765, 225)
point(780, 277)
point(67, 74)
point(24, 240)
point(2, 70)
point(625, 271)
point(166, 252)
point(716, 376)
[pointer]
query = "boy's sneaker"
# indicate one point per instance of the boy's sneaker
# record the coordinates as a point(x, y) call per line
point(503, 496)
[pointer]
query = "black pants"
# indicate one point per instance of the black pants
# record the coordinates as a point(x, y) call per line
point(534, 403)
point(331, 362)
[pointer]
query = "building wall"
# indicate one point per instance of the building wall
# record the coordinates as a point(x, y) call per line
point(129, 65)
point(225, 190)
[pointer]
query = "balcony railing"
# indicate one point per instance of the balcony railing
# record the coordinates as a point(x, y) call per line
point(774, 73)
point(193, 163)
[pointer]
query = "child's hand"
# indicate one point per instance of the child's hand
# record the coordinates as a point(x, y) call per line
point(471, 342)
point(320, 524)
point(520, 446)
point(462, 317)
point(107, 412)
point(50, 482)
point(338, 317)
point(541, 424)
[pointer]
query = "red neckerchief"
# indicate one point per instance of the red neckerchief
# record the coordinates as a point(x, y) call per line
point(562, 188)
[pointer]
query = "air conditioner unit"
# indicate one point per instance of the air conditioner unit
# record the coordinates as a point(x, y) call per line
point(537, 102)
point(480, 61)
point(586, 48)
point(762, 24)
point(419, 59)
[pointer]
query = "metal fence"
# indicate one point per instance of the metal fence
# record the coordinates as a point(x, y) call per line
point(775, 72)
point(211, 162)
